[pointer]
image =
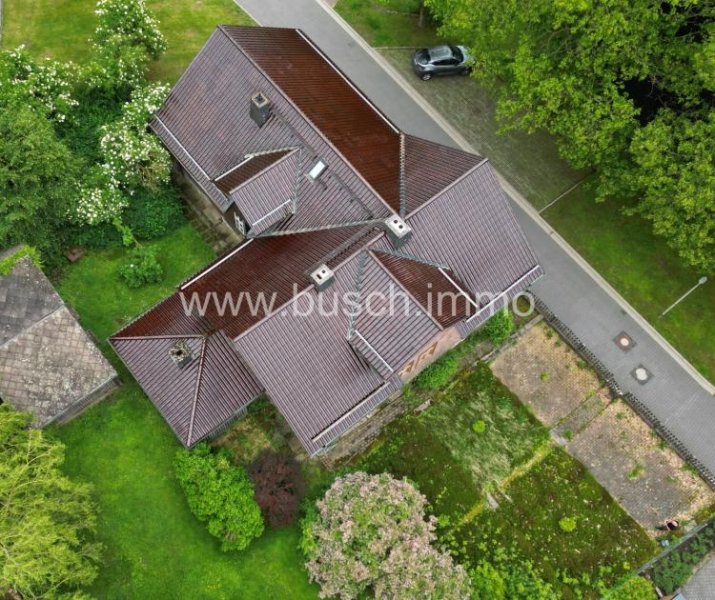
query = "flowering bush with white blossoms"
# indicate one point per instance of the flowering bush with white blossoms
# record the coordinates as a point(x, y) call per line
point(48, 81)
point(134, 156)
point(101, 204)
point(369, 536)
point(128, 23)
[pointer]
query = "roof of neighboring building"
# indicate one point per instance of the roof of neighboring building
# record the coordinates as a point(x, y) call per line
point(48, 363)
point(323, 371)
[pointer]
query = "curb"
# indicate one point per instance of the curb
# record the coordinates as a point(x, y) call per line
point(523, 203)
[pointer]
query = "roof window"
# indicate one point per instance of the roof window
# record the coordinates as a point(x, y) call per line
point(317, 170)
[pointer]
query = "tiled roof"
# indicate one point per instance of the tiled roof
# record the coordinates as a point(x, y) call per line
point(199, 397)
point(49, 366)
point(324, 372)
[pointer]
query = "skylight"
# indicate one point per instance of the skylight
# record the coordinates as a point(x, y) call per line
point(317, 170)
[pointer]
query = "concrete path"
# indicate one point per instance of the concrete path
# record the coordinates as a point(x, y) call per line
point(675, 394)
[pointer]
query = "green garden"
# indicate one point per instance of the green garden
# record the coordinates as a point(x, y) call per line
point(485, 466)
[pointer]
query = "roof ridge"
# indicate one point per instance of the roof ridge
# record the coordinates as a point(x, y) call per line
point(196, 393)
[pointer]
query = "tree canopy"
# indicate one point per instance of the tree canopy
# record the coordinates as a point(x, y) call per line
point(626, 85)
point(45, 518)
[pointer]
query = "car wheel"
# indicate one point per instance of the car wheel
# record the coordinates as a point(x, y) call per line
point(466, 72)
point(426, 76)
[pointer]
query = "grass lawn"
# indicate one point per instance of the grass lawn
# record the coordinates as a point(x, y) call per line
point(62, 28)
point(606, 543)
point(394, 23)
point(623, 249)
point(154, 547)
point(92, 285)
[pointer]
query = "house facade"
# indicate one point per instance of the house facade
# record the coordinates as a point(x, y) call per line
point(368, 252)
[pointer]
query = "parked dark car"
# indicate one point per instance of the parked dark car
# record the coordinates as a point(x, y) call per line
point(441, 60)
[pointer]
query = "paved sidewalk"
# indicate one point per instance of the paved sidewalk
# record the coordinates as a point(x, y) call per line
point(677, 397)
point(702, 585)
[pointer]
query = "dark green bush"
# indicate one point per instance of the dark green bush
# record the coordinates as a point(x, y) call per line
point(142, 268)
point(219, 494)
point(439, 373)
point(675, 570)
point(151, 215)
point(498, 329)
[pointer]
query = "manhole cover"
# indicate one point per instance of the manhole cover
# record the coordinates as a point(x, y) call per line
point(641, 374)
point(624, 341)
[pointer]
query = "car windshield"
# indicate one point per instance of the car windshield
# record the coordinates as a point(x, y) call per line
point(422, 57)
point(457, 53)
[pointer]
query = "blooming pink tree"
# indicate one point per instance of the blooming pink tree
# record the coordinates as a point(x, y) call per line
point(370, 534)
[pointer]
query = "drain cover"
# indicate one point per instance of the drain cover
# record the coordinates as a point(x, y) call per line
point(624, 341)
point(641, 374)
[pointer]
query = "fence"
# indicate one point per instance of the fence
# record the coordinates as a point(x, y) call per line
point(639, 407)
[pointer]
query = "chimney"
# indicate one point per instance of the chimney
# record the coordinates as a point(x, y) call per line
point(260, 109)
point(323, 277)
point(398, 231)
point(181, 354)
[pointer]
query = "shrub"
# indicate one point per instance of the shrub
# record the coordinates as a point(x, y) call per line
point(439, 373)
point(567, 524)
point(498, 329)
point(369, 536)
point(130, 22)
point(509, 578)
point(152, 215)
point(220, 494)
point(479, 426)
point(675, 570)
point(279, 486)
point(635, 588)
point(142, 268)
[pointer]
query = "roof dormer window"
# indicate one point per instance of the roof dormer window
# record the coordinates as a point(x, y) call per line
point(317, 170)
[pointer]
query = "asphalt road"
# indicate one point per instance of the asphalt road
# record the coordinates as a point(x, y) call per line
point(678, 397)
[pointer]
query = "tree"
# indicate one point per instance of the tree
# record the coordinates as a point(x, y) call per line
point(279, 486)
point(45, 518)
point(610, 79)
point(220, 494)
point(369, 534)
point(38, 179)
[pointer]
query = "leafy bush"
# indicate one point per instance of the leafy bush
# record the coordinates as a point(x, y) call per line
point(479, 426)
point(439, 373)
point(369, 536)
point(220, 494)
point(567, 524)
point(132, 22)
point(675, 570)
point(498, 329)
point(152, 215)
point(142, 268)
point(635, 588)
point(509, 578)
point(279, 487)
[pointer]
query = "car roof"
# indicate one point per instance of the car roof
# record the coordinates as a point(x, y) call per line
point(440, 52)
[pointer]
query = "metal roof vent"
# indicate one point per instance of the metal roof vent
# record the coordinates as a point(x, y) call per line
point(260, 108)
point(181, 354)
point(322, 277)
point(398, 230)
